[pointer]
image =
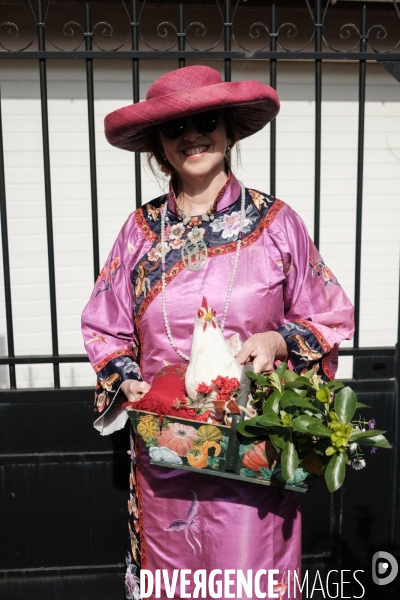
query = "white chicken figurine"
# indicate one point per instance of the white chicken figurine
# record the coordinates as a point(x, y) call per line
point(211, 354)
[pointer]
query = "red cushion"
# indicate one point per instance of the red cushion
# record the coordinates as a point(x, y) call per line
point(167, 395)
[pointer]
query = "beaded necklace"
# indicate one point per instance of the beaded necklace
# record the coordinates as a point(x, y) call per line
point(231, 281)
point(207, 216)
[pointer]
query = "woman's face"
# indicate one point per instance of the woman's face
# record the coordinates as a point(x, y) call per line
point(195, 155)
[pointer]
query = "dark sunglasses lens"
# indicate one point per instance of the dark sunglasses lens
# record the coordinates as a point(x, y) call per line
point(173, 129)
point(206, 122)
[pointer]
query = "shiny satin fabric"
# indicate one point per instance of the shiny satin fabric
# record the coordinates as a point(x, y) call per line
point(234, 525)
point(281, 284)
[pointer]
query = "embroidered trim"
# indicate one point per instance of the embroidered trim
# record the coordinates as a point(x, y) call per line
point(144, 226)
point(122, 352)
point(325, 367)
point(143, 552)
point(216, 251)
point(322, 341)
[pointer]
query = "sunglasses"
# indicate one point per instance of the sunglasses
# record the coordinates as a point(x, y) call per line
point(206, 122)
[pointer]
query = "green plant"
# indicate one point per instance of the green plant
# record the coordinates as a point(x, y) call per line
point(310, 423)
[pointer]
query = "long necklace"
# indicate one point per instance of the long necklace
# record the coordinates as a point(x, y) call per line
point(231, 281)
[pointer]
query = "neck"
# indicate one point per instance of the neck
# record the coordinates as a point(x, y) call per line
point(196, 196)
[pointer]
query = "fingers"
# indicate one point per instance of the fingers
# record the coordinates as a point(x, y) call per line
point(263, 364)
point(245, 353)
point(134, 390)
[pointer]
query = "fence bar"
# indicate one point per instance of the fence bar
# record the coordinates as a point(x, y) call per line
point(136, 96)
point(394, 516)
point(181, 36)
point(318, 102)
point(197, 55)
point(92, 144)
point(272, 80)
point(360, 173)
point(47, 190)
point(6, 260)
point(227, 39)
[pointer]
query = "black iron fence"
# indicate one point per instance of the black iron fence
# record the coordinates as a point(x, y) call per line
point(273, 40)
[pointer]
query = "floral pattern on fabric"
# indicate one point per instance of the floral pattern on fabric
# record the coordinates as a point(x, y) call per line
point(320, 269)
point(305, 351)
point(218, 233)
point(107, 273)
point(109, 380)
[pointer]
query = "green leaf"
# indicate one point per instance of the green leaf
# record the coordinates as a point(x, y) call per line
point(286, 396)
point(376, 440)
point(260, 380)
point(275, 381)
point(361, 405)
point(335, 471)
point(357, 434)
point(323, 394)
point(289, 460)
point(272, 402)
point(309, 373)
point(249, 430)
point(297, 401)
point(311, 425)
point(280, 370)
point(334, 385)
point(304, 382)
point(345, 405)
point(289, 376)
point(268, 419)
point(280, 439)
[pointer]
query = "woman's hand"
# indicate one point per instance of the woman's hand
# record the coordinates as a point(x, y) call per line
point(265, 349)
point(134, 390)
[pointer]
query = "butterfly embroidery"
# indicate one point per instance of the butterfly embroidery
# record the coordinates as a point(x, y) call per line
point(305, 350)
point(153, 212)
point(190, 525)
point(108, 383)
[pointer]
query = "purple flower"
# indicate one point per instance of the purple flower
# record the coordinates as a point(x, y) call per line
point(373, 449)
point(371, 424)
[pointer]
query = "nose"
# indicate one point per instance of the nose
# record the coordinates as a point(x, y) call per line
point(191, 133)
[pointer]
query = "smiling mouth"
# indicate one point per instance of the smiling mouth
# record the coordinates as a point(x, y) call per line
point(193, 151)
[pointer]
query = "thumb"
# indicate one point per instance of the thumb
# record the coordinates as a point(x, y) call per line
point(242, 356)
point(142, 388)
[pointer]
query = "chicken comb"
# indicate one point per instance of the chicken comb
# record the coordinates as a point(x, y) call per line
point(204, 303)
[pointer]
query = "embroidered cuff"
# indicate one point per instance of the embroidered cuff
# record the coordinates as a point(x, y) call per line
point(304, 349)
point(109, 380)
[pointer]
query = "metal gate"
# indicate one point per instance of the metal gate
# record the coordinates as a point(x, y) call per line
point(64, 489)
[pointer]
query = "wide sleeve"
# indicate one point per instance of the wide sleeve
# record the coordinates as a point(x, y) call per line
point(109, 331)
point(317, 313)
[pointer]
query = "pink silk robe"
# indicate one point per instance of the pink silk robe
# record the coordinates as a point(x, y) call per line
point(282, 284)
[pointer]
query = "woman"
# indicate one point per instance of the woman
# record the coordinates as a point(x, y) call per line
point(251, 256)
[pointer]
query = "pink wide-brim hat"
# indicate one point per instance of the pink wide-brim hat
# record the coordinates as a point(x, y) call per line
point(187, 91)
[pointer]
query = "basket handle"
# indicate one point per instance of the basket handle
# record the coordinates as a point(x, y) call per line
point(234, 442)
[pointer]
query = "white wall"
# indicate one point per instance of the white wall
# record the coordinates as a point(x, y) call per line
point(295, 185)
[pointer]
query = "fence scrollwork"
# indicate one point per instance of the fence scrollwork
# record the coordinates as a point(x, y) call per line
point(287, 36)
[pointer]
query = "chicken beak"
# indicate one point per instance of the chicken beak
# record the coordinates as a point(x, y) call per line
point(208, 317)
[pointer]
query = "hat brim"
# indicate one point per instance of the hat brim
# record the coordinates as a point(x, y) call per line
point(253, 105)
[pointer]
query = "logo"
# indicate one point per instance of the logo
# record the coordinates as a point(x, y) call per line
point(384, 568)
